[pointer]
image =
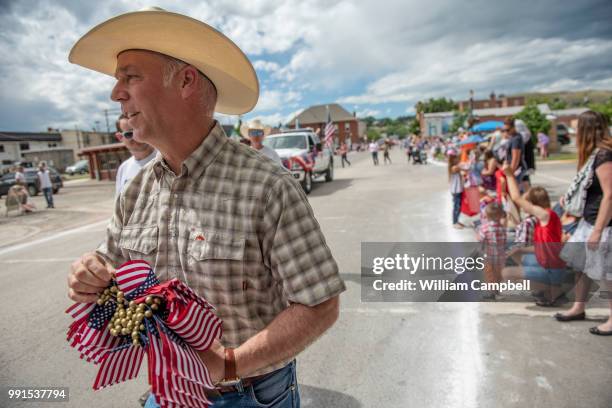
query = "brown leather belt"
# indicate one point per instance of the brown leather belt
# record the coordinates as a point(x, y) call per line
point(246, 382)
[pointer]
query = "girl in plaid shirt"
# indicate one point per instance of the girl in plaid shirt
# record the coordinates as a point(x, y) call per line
point(492, 234)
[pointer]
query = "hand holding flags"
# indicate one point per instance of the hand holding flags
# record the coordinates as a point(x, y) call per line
point(137, 315)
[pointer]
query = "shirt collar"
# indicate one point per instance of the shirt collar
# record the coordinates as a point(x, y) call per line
point(200, 158)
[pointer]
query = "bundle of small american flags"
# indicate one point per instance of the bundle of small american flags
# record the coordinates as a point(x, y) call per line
point(170, 338)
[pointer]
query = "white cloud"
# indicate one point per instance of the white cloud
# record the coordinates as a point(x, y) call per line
point(266, 66)
point(494, 65)
point(357, 52)
point(368, 112)
point(275, 118)
point(275, 100)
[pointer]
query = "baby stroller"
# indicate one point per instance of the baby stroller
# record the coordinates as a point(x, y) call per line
point(419, 156)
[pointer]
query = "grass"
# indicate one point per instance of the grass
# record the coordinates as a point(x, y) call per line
point(569, 156)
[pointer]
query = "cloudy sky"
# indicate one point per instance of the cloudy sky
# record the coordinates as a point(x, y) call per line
point(377, 57)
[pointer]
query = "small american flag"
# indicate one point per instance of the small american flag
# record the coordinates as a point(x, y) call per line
point(132, 274)
point(329, 131)
point(177, 375)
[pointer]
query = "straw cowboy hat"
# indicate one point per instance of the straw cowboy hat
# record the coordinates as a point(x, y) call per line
point(256, 126)
point(178, 36)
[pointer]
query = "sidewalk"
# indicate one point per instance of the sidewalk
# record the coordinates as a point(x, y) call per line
point(80, 202)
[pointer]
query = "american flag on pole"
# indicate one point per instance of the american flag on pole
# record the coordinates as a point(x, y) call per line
point(329, 131)
point(171, 338)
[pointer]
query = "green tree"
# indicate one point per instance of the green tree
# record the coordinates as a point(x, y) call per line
point(534, 119)
point(605, 108)
point(405, 119)
point(557, 104)
point(373, 134)
point(397, 129)
point(459, 119)
point(369, 120)
point(414, 127)
point(436, 105)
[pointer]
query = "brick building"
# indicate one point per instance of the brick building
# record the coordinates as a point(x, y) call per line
point(315, 117)
point(493, 102)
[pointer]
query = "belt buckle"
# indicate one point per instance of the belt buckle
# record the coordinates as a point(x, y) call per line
point(233, 385)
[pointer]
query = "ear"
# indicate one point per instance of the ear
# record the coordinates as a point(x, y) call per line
point(189, 81)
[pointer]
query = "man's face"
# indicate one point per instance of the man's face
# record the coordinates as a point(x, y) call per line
point(137, 149)
point(507, 131)
point(256, 136)
point(147, 103)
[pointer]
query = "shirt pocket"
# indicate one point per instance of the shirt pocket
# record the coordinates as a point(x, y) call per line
point(218, 259)
point(140, 242)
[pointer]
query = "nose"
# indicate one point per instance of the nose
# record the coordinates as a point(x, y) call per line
point(119, 94)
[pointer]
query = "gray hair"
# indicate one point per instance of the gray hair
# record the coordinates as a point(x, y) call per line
point(208, 98)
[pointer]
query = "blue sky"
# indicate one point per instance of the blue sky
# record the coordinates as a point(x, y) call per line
point(375, 57)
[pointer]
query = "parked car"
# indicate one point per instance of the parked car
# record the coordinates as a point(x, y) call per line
point(80, 167)
point(33, 185)
point(563, 134)
point(303, 154)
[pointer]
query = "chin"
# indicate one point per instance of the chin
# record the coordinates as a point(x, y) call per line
point(138, 136)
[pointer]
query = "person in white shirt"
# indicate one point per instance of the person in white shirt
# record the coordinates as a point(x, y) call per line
point(20, 177)
point(374, 150)
point(45, 183)
point(255, 132)
point(142, 153)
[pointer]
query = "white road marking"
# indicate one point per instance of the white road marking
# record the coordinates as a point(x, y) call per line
point(387, 310)
point(553, 178)
point(52, 237)
point(46, 260)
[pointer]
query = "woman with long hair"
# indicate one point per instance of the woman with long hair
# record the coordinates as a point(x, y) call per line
point(590, 247)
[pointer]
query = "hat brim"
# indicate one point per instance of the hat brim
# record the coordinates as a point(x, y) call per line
point(178, 36)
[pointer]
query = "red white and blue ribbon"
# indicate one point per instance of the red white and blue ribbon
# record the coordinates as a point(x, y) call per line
point(171, 340)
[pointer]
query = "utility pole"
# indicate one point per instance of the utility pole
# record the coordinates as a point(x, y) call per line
point(106, 117)
point(78, 138)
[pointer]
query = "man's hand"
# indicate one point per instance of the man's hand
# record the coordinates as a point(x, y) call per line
point(507, 169)
point(594, 240)
point(88, 276)
point(214, 359)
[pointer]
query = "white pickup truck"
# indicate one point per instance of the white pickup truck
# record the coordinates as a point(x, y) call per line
point(303, 154)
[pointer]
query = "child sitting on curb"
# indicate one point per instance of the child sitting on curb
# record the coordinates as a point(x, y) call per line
point(544, 268)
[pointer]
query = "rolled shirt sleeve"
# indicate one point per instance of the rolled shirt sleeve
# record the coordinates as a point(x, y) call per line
point(295, 247)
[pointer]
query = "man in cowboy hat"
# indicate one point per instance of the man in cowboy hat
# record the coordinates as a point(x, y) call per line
point(210, 211)
point(255, 132)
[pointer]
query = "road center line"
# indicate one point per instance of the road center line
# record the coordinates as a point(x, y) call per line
point(52, 237)
point(45, 260)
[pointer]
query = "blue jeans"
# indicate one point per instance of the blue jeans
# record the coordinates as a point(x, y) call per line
point(535, 272)
point(48, 192)
point(278, 389)
point(456, 207)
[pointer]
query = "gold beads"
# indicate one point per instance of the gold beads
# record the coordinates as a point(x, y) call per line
point(129, 316)
point(106, 295)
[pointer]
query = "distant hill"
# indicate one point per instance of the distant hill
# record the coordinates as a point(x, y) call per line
point(572, 99)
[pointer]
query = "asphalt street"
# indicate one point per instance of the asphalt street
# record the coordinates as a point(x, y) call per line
point(377, 355)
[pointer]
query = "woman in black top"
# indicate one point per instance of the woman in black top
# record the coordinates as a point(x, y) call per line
point(594, 232)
